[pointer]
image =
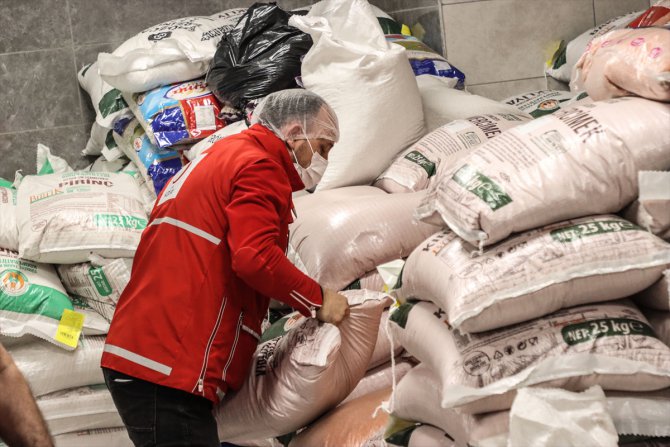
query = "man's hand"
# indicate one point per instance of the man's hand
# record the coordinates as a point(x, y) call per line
point(335, 307)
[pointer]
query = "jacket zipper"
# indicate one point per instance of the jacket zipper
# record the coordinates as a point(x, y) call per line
point(200, 385)
point(232, 350)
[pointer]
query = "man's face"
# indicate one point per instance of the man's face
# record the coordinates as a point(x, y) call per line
point(303, 152)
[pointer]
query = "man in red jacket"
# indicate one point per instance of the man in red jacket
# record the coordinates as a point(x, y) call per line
point(210, 259)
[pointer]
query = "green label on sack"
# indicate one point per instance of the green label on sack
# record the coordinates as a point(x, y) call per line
point(100, 281)
point(482, 186)
point(576, 232)
point(590, 330)
point(111, 102)
point(117, 221)
point(420, 159)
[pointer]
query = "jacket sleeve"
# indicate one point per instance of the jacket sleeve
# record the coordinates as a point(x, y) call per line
point(253, 217)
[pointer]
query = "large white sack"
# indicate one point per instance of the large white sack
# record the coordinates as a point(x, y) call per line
point(63, 218)
point(102, 437)
point(341, 234)
point(173, 51)
point(587, 260)
point(9, 232)
point(379, 378)
point(608, 344)
point(77, 409)
point(296, 377)
point(99, 285)
point(658, 295)
point(420, 164)
point(443, 104)
point(567, 58)
point(553, 417)
point(108, 102)
point(369, 84)
point(576, 162)
point(651, 210)
point(48, 368)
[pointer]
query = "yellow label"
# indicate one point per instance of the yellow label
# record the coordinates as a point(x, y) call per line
point(405, 31)
point(549, 51)
point(69, 328)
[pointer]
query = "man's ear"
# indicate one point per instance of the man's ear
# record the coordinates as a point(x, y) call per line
point(293, 131)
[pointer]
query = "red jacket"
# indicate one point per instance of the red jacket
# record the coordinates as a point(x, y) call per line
point(208, 262)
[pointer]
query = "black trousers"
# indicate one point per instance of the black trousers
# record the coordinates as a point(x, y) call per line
point(155, 415)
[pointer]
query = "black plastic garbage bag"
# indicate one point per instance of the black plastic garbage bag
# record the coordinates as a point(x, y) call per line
point(260, 55)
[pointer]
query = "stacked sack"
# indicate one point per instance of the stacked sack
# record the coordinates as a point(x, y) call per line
point(534, 281)
point(67, 239)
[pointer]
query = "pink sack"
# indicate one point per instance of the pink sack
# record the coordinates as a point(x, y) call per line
point(626, 62)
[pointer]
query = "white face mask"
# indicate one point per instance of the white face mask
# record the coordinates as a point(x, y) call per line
point(311, 175)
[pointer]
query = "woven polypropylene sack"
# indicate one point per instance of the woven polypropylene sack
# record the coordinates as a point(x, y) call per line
point(354, 423)
point(651, 210)
point(298, 376)
point(609, 344)
point(625, 62)
point(63, 218)
point(577, 162)
point(107, 101)
point(9, 232)
point(77, 409)
point(658, 295)
point(535, 273)
point(172, 51)
point(380, 377)
point(567, 56)
point(443, 104)
point(365, 80)
point(420, 164)
point(418, 399)
point(32, 299)
point(341, 234)
point(383, 352)
point(48, 368)
point(100, 286)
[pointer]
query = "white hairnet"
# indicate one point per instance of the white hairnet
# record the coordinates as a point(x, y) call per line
point(282, 111)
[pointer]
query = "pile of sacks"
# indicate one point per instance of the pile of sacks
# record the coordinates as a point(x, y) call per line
point(540, 311)
point(67, 238)
point(493, 223)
